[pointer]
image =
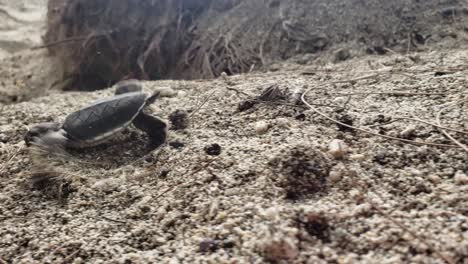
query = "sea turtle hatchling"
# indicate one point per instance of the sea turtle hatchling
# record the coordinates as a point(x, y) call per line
point(101, 120)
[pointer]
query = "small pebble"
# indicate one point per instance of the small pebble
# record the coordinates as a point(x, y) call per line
point(337, 148)
point(166, 92)
point(177, 144)
point(271, 213)
point(208, 245)
point(460, 178)
point(261, 127)
point(408, 132)
point(434, 178)
point(283, 122)
point(357, 157)
point(224, 76)
point(107, 185)
point(335, 175)
point(213, 149)
point(3, 138)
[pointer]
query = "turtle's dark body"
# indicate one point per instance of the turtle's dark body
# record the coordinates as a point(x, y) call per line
point(101, 120)
point(104, 117)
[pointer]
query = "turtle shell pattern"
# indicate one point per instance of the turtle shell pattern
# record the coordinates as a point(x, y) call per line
point(104, 117)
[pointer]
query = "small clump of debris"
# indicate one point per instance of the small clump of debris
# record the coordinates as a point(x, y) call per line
point(302, 170)
point(280, 250)
point(315, 224)
point(179, 119)
point(51, 183)
point(207, 245)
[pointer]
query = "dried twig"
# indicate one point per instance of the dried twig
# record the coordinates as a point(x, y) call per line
point(237, 91)
point(461, 145)
point(7, 13)
point(70, 257)
point(389, 93)
point(59, 42)
point(366, 131)
point(207, 98)
point(429, 123)
point(3, 168)
point(111, 220)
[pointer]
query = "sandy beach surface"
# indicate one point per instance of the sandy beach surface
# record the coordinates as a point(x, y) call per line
point(241, 181)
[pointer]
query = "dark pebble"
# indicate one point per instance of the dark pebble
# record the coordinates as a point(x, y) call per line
point(213, 149)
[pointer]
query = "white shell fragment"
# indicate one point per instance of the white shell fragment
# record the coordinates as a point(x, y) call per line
point(166, 92)
point(261, 127)
point(338, 148)
point(408, 132)
point(460, 178)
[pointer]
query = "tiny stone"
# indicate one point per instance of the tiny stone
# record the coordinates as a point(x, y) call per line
point(261, 127)
point(107, 185)
point(283, 122)
point(357, 157)
point(434, 178)
point(228, 244)
point(271, 213)
point(224, 76)
point(337, 148)
point(177, 144)
point(341, 55)
point(416, 172)
point(335, 176)
point(3, 138)
point(460, 178)
point(166, 92)
point(207, 245)
point(408, 132)
point(245, 105)
point(213, 149)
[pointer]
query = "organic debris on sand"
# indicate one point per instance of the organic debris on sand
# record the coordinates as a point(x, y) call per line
point(101, 42)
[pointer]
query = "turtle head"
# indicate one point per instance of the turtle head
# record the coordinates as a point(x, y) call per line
point(46, 135)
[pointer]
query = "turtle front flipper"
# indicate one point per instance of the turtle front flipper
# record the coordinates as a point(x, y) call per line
point(153, 126)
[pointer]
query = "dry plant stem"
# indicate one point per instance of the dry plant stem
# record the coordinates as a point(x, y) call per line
point(3, 168)
point(366, 131)
point(278, 103)
point(7, 13)
point(388, 71)
point(390, 93)
point(63, 41)
point(70, 257)
point(429, 123)
point(111, 220)
point(238, 91)
point(461, 145)
point(207, 98)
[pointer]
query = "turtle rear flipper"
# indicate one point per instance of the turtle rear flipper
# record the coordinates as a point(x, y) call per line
point(153, 126)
